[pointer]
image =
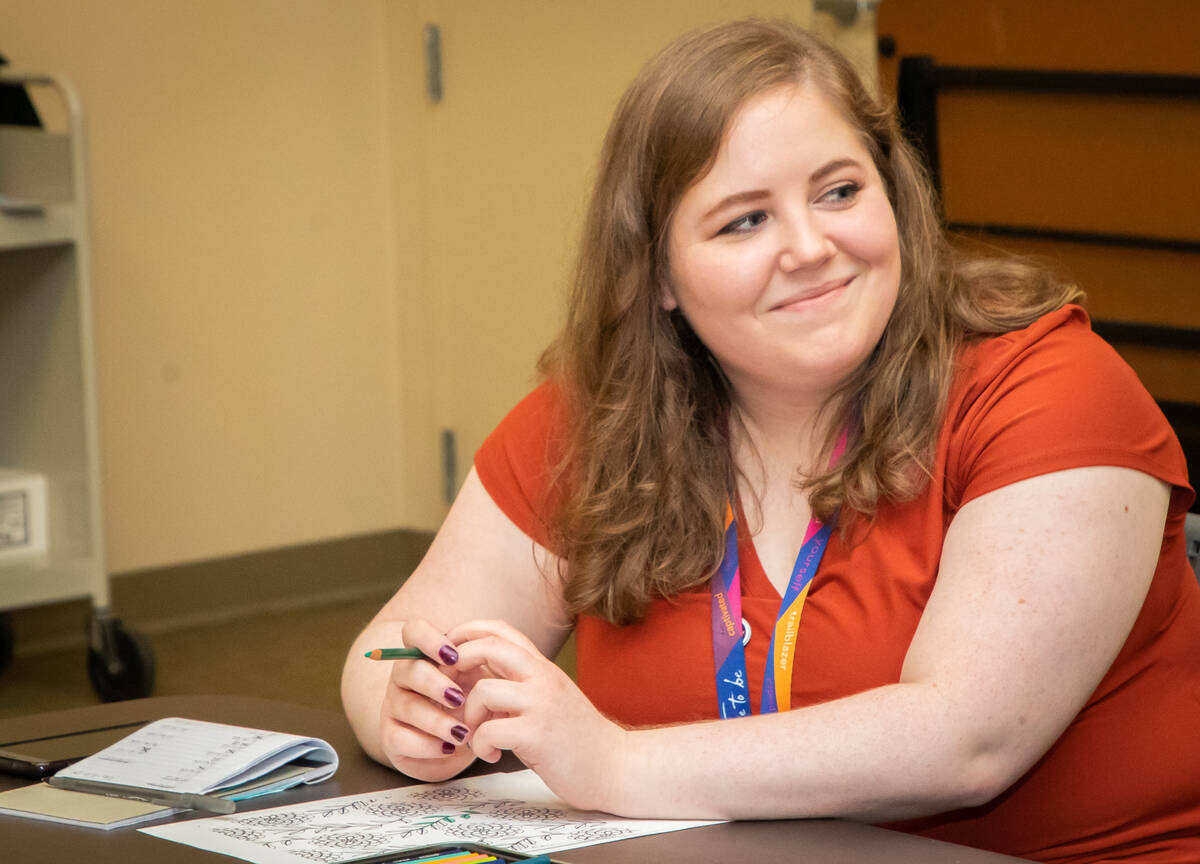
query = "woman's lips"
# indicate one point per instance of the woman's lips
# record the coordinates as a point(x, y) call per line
point(813, 293)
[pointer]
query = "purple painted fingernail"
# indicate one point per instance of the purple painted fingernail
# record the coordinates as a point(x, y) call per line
point(447, 747)
point(449, 655)
point(454, 696)
point(459, 733)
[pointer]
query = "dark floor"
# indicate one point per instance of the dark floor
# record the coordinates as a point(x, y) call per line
point(294, 655)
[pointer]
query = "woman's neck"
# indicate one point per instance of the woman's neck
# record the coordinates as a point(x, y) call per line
point(776, 443)
point(784, 436)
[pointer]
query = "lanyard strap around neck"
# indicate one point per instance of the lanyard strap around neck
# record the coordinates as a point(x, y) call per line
point(729, 653)
point(781, 658)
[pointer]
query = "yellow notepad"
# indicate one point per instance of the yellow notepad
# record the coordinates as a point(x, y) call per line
point(40, 801)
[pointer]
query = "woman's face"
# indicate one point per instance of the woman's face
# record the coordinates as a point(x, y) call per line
point(784, 257)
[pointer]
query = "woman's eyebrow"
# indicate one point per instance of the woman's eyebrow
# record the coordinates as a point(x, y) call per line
point(830, 167)
point(736, 198)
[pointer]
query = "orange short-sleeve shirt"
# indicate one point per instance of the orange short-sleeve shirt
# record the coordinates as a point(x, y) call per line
point(1124, 778)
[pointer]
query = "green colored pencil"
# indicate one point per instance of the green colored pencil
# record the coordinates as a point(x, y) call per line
point(395, 654)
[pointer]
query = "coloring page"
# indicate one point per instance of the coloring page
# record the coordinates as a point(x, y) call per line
point(511, 811)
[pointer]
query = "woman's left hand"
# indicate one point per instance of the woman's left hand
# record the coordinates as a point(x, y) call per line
point(534, 709)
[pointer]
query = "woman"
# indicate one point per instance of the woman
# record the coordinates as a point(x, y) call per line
point(989, 633)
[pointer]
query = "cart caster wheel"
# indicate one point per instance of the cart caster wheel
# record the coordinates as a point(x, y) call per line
point(128, 671)
point(7, 640)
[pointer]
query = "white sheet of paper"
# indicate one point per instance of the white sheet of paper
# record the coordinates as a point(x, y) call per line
point(511, 811)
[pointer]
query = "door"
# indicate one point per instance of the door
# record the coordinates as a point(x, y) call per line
point(507, 158)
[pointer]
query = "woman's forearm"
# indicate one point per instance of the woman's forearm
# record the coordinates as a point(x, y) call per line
point(890, 753)
point(928, 745)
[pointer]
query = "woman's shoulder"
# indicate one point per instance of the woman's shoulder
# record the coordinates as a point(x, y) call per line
point(1058, 351)
point(543, 404)
point(1050, 396)
point(518, 461)
point(539, 418)
point(1060, 330)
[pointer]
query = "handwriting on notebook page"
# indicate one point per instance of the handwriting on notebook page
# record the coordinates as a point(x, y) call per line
point(183, 755)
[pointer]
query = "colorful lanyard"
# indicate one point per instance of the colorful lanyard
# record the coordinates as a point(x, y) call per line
point(729, 653)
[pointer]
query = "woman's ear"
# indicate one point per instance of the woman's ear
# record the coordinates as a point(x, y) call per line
point(668, 301)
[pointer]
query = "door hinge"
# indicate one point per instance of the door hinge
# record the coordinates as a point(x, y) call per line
point(449, 466)
point(432, 37)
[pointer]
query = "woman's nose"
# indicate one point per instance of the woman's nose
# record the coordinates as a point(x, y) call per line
point(805, 243)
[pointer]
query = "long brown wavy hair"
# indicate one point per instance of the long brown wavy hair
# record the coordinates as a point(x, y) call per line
point(644, 482)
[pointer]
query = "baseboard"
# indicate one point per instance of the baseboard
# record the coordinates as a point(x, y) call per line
point(161, 599)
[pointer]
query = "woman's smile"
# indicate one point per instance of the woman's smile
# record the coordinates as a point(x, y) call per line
point(806, 298)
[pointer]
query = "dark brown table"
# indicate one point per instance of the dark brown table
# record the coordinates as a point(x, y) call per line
point(816, 840)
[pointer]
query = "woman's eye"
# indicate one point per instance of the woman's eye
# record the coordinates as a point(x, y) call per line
point(746, 223)
point(843, 194)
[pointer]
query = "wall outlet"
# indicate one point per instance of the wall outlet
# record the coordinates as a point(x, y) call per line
point(22, 515)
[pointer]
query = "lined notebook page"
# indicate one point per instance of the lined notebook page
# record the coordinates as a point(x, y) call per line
point(183, 755)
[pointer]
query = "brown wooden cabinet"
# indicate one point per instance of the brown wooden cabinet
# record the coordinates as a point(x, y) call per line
point(1069, 131)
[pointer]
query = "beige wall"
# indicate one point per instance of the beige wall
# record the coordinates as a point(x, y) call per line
point(303, 270)
point(245, 309)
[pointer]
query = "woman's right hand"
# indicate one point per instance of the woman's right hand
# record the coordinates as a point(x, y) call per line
point(479, 566)
point(421, 726)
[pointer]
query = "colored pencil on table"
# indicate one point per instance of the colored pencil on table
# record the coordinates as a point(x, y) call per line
point(395, 654)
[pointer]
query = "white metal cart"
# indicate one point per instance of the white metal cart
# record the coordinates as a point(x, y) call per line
point(48, 419)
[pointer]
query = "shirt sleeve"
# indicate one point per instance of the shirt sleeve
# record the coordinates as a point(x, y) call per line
point(519, 461)
point(1051, 397)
